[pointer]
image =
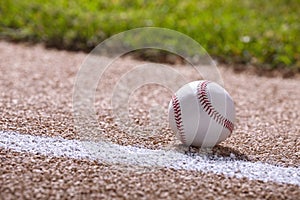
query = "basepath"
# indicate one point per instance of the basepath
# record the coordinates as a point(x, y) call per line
point(43, 155)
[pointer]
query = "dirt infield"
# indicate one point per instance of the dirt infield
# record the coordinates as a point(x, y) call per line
point(36, 88)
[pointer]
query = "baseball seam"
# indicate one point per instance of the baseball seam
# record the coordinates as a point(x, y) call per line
point(209, 109)
point(178, 117)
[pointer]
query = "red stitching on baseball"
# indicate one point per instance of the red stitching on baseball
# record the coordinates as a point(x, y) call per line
point(209, 109)
point(178, 118)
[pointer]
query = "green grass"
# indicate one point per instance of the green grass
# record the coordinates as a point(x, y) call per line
point(262, 33)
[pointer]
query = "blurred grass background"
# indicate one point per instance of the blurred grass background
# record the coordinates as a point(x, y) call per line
point(261, 33)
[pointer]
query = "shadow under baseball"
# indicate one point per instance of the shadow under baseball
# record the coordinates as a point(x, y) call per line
point(217, 151)
point(229, 152)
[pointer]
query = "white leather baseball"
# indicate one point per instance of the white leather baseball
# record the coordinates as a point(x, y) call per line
point(201, 114)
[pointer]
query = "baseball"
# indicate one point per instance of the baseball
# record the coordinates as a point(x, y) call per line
point(201, 114)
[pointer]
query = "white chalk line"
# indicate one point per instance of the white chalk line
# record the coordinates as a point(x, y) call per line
point(117, 154)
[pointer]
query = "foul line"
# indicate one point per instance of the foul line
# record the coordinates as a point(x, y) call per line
point(117, 154)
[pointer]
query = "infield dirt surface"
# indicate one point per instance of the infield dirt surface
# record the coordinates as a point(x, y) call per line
point(36, 88)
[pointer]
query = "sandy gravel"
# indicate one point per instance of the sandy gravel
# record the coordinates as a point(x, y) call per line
point(36, 87)
point(30, 177)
